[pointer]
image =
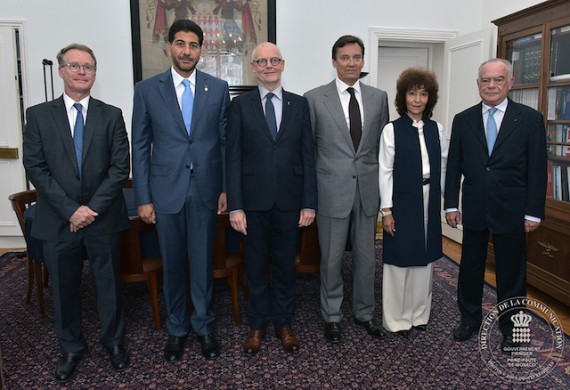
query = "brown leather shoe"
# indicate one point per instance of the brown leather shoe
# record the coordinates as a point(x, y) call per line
point(252, 343)
point(288, 339)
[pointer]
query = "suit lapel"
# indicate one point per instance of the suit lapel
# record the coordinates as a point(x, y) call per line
point(476, 120)
point(509, 123)
point(63, 130)
point(168, 93)
point(91, 124)
point(258, 114)
point(331, 101)
point(201, 93)
point(285, 114)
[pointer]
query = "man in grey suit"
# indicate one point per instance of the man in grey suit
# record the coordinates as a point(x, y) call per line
point(179, 138)
point(347, 119)
point(76, 154)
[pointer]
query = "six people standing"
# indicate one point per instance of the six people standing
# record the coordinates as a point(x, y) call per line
point(282, 150)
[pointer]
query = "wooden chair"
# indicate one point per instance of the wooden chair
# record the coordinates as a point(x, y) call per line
point(228, 265)
point(137, 266)
point(308, 259)
point(21, 202)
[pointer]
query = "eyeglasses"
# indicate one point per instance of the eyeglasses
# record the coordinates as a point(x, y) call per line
point(264, 61)
point(346, 59)
point(487, 80)
point(76, 67)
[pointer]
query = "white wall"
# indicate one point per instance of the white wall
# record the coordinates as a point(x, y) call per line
point(103, 25)
point(306, 30)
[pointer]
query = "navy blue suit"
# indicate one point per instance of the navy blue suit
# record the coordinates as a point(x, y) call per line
point(498, 191)
point(49, 158)
point(182, 176)
point(272, 181)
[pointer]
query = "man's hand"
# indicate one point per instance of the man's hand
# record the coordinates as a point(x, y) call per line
point(239, 222)
point(82, 217)
point(306, 218)
point(453, 218)
point(389, 224)
point(146, 213)
point(530, 226)
point(222, 203)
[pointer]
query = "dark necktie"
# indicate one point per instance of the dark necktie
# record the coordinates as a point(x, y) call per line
point(270, 115)
point(78, 131)
point(187, 104)
point(354, 118)
point(491, 129)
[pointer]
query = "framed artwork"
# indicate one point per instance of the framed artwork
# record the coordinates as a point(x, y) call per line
point(232, 28)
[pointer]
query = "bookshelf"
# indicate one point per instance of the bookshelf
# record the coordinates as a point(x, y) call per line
point(537, 41)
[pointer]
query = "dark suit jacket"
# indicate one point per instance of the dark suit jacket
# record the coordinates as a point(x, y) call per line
point(161, 173)
point(49, 159)
point(262, 172)
point(498, 190)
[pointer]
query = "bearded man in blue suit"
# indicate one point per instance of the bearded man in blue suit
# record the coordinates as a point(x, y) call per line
point(179, 136)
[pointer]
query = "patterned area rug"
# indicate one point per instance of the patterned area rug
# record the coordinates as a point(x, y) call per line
point(426, 360)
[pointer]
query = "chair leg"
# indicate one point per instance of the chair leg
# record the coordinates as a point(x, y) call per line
point(40, 286)
point(233, 285)
point(46, 275)
point(31, 278)
point(153, 290)
point(245, 289)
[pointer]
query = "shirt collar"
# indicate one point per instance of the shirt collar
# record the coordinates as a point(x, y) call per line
point(69, 102)
point(277, 92)
point(341, 86)
point(177, 79)
point(501, 106)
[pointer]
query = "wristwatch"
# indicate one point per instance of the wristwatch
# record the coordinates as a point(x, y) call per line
point(385, 213)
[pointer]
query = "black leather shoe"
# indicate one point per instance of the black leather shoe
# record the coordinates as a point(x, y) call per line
point(210, 346)
point(174, 348)
point(119, 357)
point(403, 333)
point(332, 332)
point(508, 345)
point(372, 328)
point(66, 366)
point(463, 332)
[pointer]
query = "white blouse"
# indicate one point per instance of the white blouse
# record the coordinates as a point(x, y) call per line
point(386, 160)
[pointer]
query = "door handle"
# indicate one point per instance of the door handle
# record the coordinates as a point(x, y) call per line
point(8, 153)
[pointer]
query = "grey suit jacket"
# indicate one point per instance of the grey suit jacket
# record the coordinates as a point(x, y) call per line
point(340, 168)
point(49, 158)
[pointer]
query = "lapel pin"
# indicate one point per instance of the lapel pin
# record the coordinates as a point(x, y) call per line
point(205, 88)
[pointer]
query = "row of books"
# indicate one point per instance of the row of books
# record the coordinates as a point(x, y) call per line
point(558, 182)
point(526, 68)
point(558, 137)
point(528, 97)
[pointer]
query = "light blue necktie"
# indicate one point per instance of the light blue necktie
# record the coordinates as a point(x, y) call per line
point(78, 131)
point(187, 104)
point(270, 115)
point(491, 130)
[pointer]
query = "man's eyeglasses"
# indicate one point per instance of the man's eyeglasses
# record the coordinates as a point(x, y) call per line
point(264, 61)
point(487, 80)
point(76, 67)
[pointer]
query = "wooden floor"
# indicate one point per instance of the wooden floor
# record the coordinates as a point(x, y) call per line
point(453, 250)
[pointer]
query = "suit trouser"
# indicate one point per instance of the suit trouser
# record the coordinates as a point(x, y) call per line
point(510, 270)
point(64, 260)
point(272, 238)
point(333, 233)
point(186, 246)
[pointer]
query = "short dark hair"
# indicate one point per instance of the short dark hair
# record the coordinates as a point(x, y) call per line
point(75, 46)
point(185, 25)
point(345, 40)
point(413, 78)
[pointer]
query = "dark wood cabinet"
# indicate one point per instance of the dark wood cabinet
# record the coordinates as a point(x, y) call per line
point(537, 41)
